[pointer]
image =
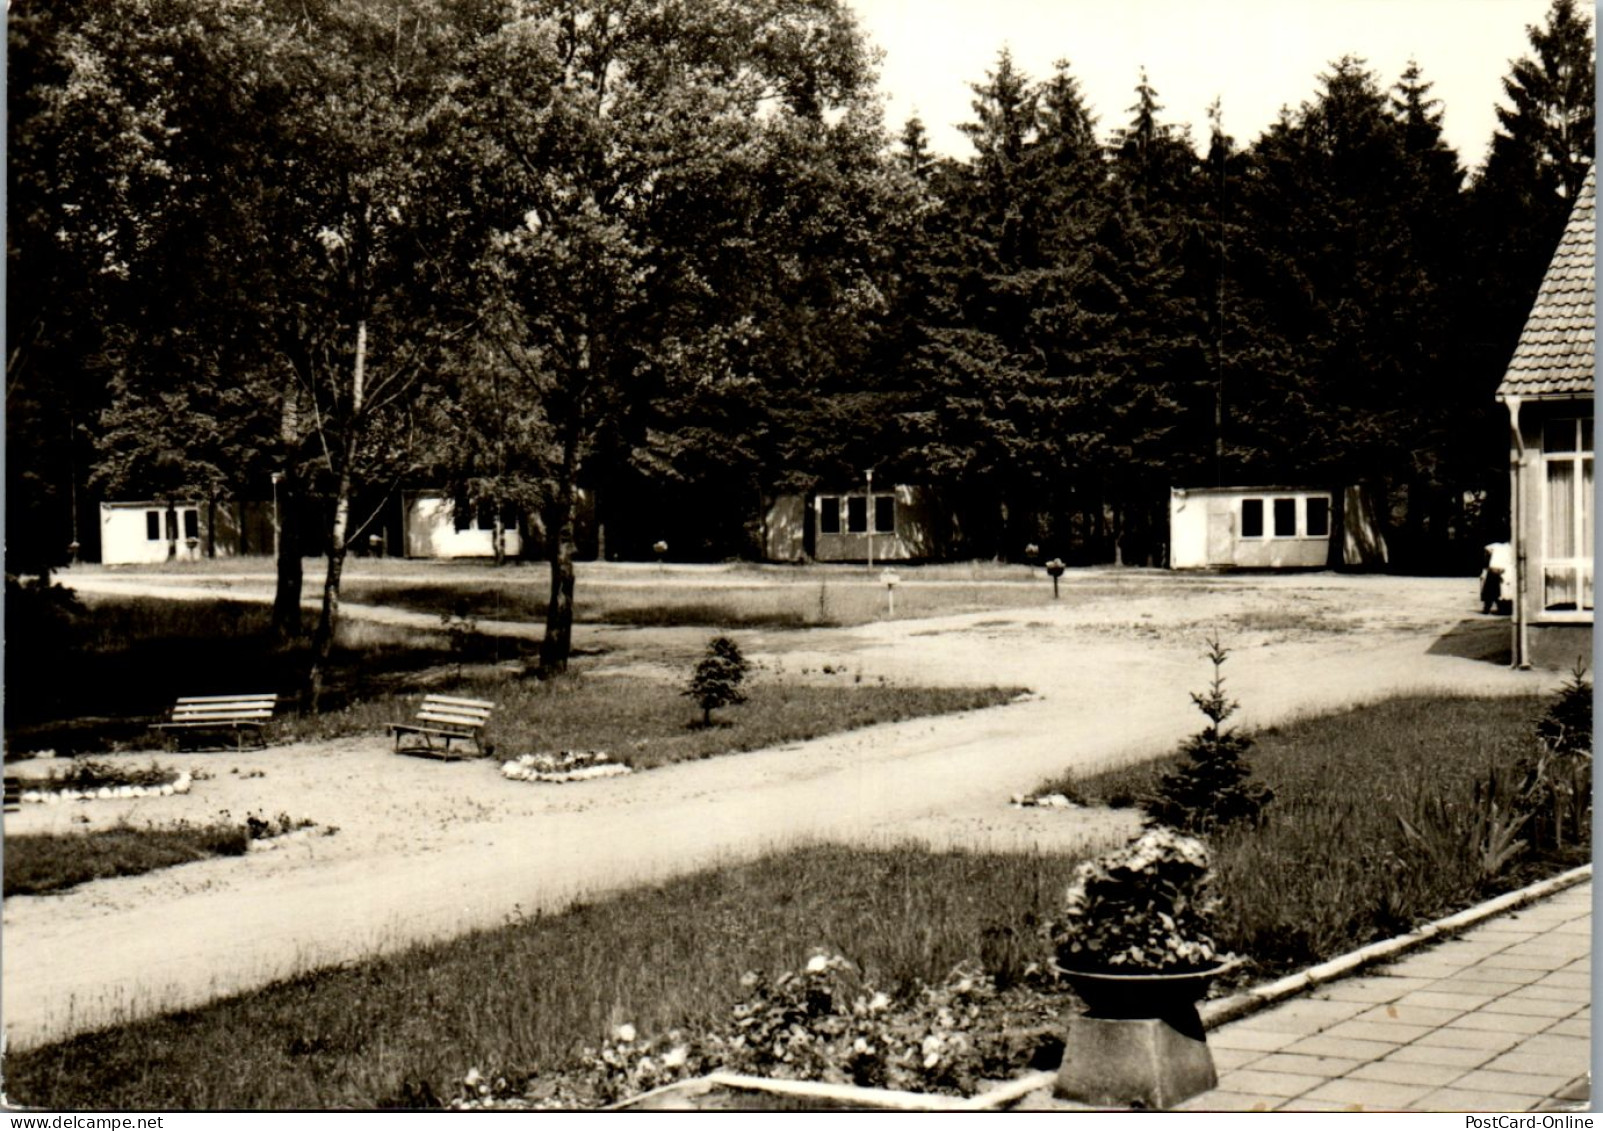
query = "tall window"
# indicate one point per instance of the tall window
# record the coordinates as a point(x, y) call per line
point(857, 514)
point(884, 514)
point(1285, 518)
point(153, 526)
point(1567, 515)
point(828, 514)
point(1252, 518)
point(191, 523)
point(1318, 517)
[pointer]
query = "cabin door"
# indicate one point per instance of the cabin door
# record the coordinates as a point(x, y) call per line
point(1222, 536)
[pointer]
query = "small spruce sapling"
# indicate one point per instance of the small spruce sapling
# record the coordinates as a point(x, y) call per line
point(1556, 778)
point(1211, 789)
point(717, 678)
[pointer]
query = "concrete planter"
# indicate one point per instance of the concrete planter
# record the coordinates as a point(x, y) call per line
point(1142, 1043)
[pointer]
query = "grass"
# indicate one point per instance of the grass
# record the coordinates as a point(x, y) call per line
point(829, 600)
point(1330, 871)
point(1333, 869)
point(534, 992)
point(40, 864)
point(102, 672)
point(650, 723)
point(112, 668)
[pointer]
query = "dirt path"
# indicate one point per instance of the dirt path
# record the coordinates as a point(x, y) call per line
point(427, 850)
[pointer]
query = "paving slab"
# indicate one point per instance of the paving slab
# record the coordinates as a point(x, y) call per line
point(1495, 1020)
point(1373, 1095)
point(1403, 1072)
point(1536, 1085)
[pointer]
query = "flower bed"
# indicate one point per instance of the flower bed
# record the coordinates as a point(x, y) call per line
point(569, 765)
point(101, 781)
point(825, 1023)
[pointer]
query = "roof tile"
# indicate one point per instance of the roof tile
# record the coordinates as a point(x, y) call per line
point(1555, 352)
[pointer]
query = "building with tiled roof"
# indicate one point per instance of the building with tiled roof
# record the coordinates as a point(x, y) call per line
point(1548, 393)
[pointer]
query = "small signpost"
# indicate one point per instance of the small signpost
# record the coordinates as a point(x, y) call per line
point(1054, 569)
point(891, 581)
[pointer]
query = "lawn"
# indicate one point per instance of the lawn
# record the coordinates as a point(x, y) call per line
point(649, 722)
point(533, 992)
point(1333, 867)
point(812, 600)
point(106, 670)
point(37, 865)
point(1329, 871)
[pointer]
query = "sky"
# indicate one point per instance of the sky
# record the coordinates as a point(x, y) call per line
point(1254, 55)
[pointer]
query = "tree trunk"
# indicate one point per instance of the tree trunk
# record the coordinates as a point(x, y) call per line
point(498, 538)
point(560, 549)
point(171, 518)
point(328, 619)
point(287, 549)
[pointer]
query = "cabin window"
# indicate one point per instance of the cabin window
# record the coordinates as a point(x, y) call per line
point(191, 524)
point(1318, 519)
point(884, 514)
point(172, 526)
point(857, 514)
point(1567, 515)
point(1285, 518)
point(461, 515)
point(828, 515)
point(153, 526)
point(1252, 518)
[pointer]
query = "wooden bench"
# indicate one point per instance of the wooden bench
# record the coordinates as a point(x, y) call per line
point(196, 717)
point(448, 719)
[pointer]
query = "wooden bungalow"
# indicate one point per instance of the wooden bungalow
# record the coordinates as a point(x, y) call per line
point(1547, 390)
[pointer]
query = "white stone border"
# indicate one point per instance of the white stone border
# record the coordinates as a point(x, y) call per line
point(882, 1099)
point(1216, 1013)
point(179, 785)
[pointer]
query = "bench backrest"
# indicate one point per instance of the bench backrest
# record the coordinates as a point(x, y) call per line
point(224, 708)
point(447, 710)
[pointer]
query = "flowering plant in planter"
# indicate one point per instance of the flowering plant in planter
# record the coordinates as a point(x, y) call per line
point(1144, 908)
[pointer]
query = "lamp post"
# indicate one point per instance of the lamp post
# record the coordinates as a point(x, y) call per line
point(277, 533)
point(868, 519)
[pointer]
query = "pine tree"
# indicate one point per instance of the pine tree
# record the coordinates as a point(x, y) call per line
point(1212, 790)
point(718, 677)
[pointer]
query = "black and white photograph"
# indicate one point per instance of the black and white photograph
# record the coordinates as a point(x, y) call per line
point(798, 557)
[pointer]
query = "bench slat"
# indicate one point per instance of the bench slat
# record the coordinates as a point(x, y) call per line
point(263, 697)
point(453, 717)
point(214, 710)
point(240, 714)
point(213, 721)
point(450, 717)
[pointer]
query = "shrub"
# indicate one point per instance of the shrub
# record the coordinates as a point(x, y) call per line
point(1566, 726)
point(1555, 782)
point(717, 678)
point(1211, 790)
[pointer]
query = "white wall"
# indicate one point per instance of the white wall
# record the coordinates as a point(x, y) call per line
point(124, 534)
point(1206, 530)
point(431, 532)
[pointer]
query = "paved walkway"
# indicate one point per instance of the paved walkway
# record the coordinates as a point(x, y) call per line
point(1497, 1019)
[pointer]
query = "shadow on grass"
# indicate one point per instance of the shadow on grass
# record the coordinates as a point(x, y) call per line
point(1486, 639)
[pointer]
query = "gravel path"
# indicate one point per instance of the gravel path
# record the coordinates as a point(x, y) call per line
point(426, 850)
